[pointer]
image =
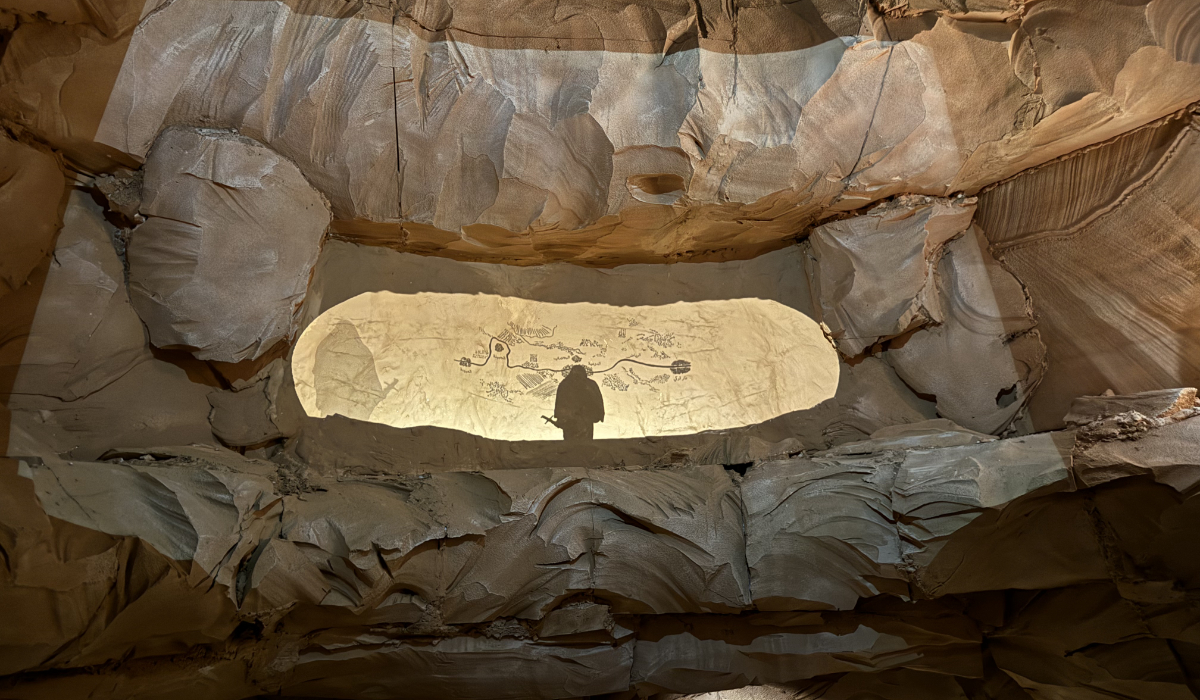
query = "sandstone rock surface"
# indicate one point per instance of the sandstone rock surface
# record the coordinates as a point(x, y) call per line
point(417, 124)
point(1132, 217)
point(32, 190)
point(957, 460)
point(875, 276)
point(231, 228)
point(596, 581)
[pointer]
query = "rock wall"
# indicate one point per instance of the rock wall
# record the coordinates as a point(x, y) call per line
point(970, 474)
point(923, 553)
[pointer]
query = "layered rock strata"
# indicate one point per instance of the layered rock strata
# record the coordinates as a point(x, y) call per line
point(624, 134)
point(577, 582)
point(982, 213)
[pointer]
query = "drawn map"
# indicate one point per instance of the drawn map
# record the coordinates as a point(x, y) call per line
point(490, 365)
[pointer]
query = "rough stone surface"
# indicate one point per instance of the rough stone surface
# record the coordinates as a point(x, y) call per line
point(983, 212)
point(1112, 269)
point(86, 334)
point(418, 123)
point(875, 276)
point(232, 230)
point(31, 189)
point(596, 581)
point(984, 361)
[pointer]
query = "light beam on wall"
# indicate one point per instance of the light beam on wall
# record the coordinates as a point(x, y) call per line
point(501, 367)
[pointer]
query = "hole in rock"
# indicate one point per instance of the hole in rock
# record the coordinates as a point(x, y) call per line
point(656, 189)
point(657, 184)
point(248, 630)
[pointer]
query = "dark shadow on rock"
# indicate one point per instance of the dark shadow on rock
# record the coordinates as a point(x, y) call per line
point(578, 405)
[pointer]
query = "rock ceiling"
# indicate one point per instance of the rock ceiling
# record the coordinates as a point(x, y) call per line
point(891, 309)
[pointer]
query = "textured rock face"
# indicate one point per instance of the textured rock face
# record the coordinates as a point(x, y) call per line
point(231, 232)
point(419, 123)
point(875, 275)
point(1139, 334)
point(31, 192)
point(888, 311)
point(890, 553)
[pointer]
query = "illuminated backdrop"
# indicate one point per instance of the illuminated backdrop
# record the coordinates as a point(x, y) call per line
point(491, 365)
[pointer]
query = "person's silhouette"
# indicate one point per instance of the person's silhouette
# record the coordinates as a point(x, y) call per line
point(578, 405)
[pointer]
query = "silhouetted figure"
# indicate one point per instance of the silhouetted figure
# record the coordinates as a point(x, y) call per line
point(578, 405)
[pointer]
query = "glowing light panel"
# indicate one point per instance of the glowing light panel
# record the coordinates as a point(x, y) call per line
point(501, 367)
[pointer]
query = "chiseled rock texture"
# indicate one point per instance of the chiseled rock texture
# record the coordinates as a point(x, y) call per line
point(991, 206)
point(627, 132)
point(31, 189)
point(221, 262)
point(1112, 269)
point(930, 550)
point(875, 275)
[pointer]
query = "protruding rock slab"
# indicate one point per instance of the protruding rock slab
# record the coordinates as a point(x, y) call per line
point(695, 654)
point(1164, 403)
point(31, 191)
point(84, 335)
point(1139, 434)
point(462, 667)
point(232, 231)
point(206, 562)
point(874, 277)
point(422, 139)
point(983, 362)
point(824, 532)
point(918, 273)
